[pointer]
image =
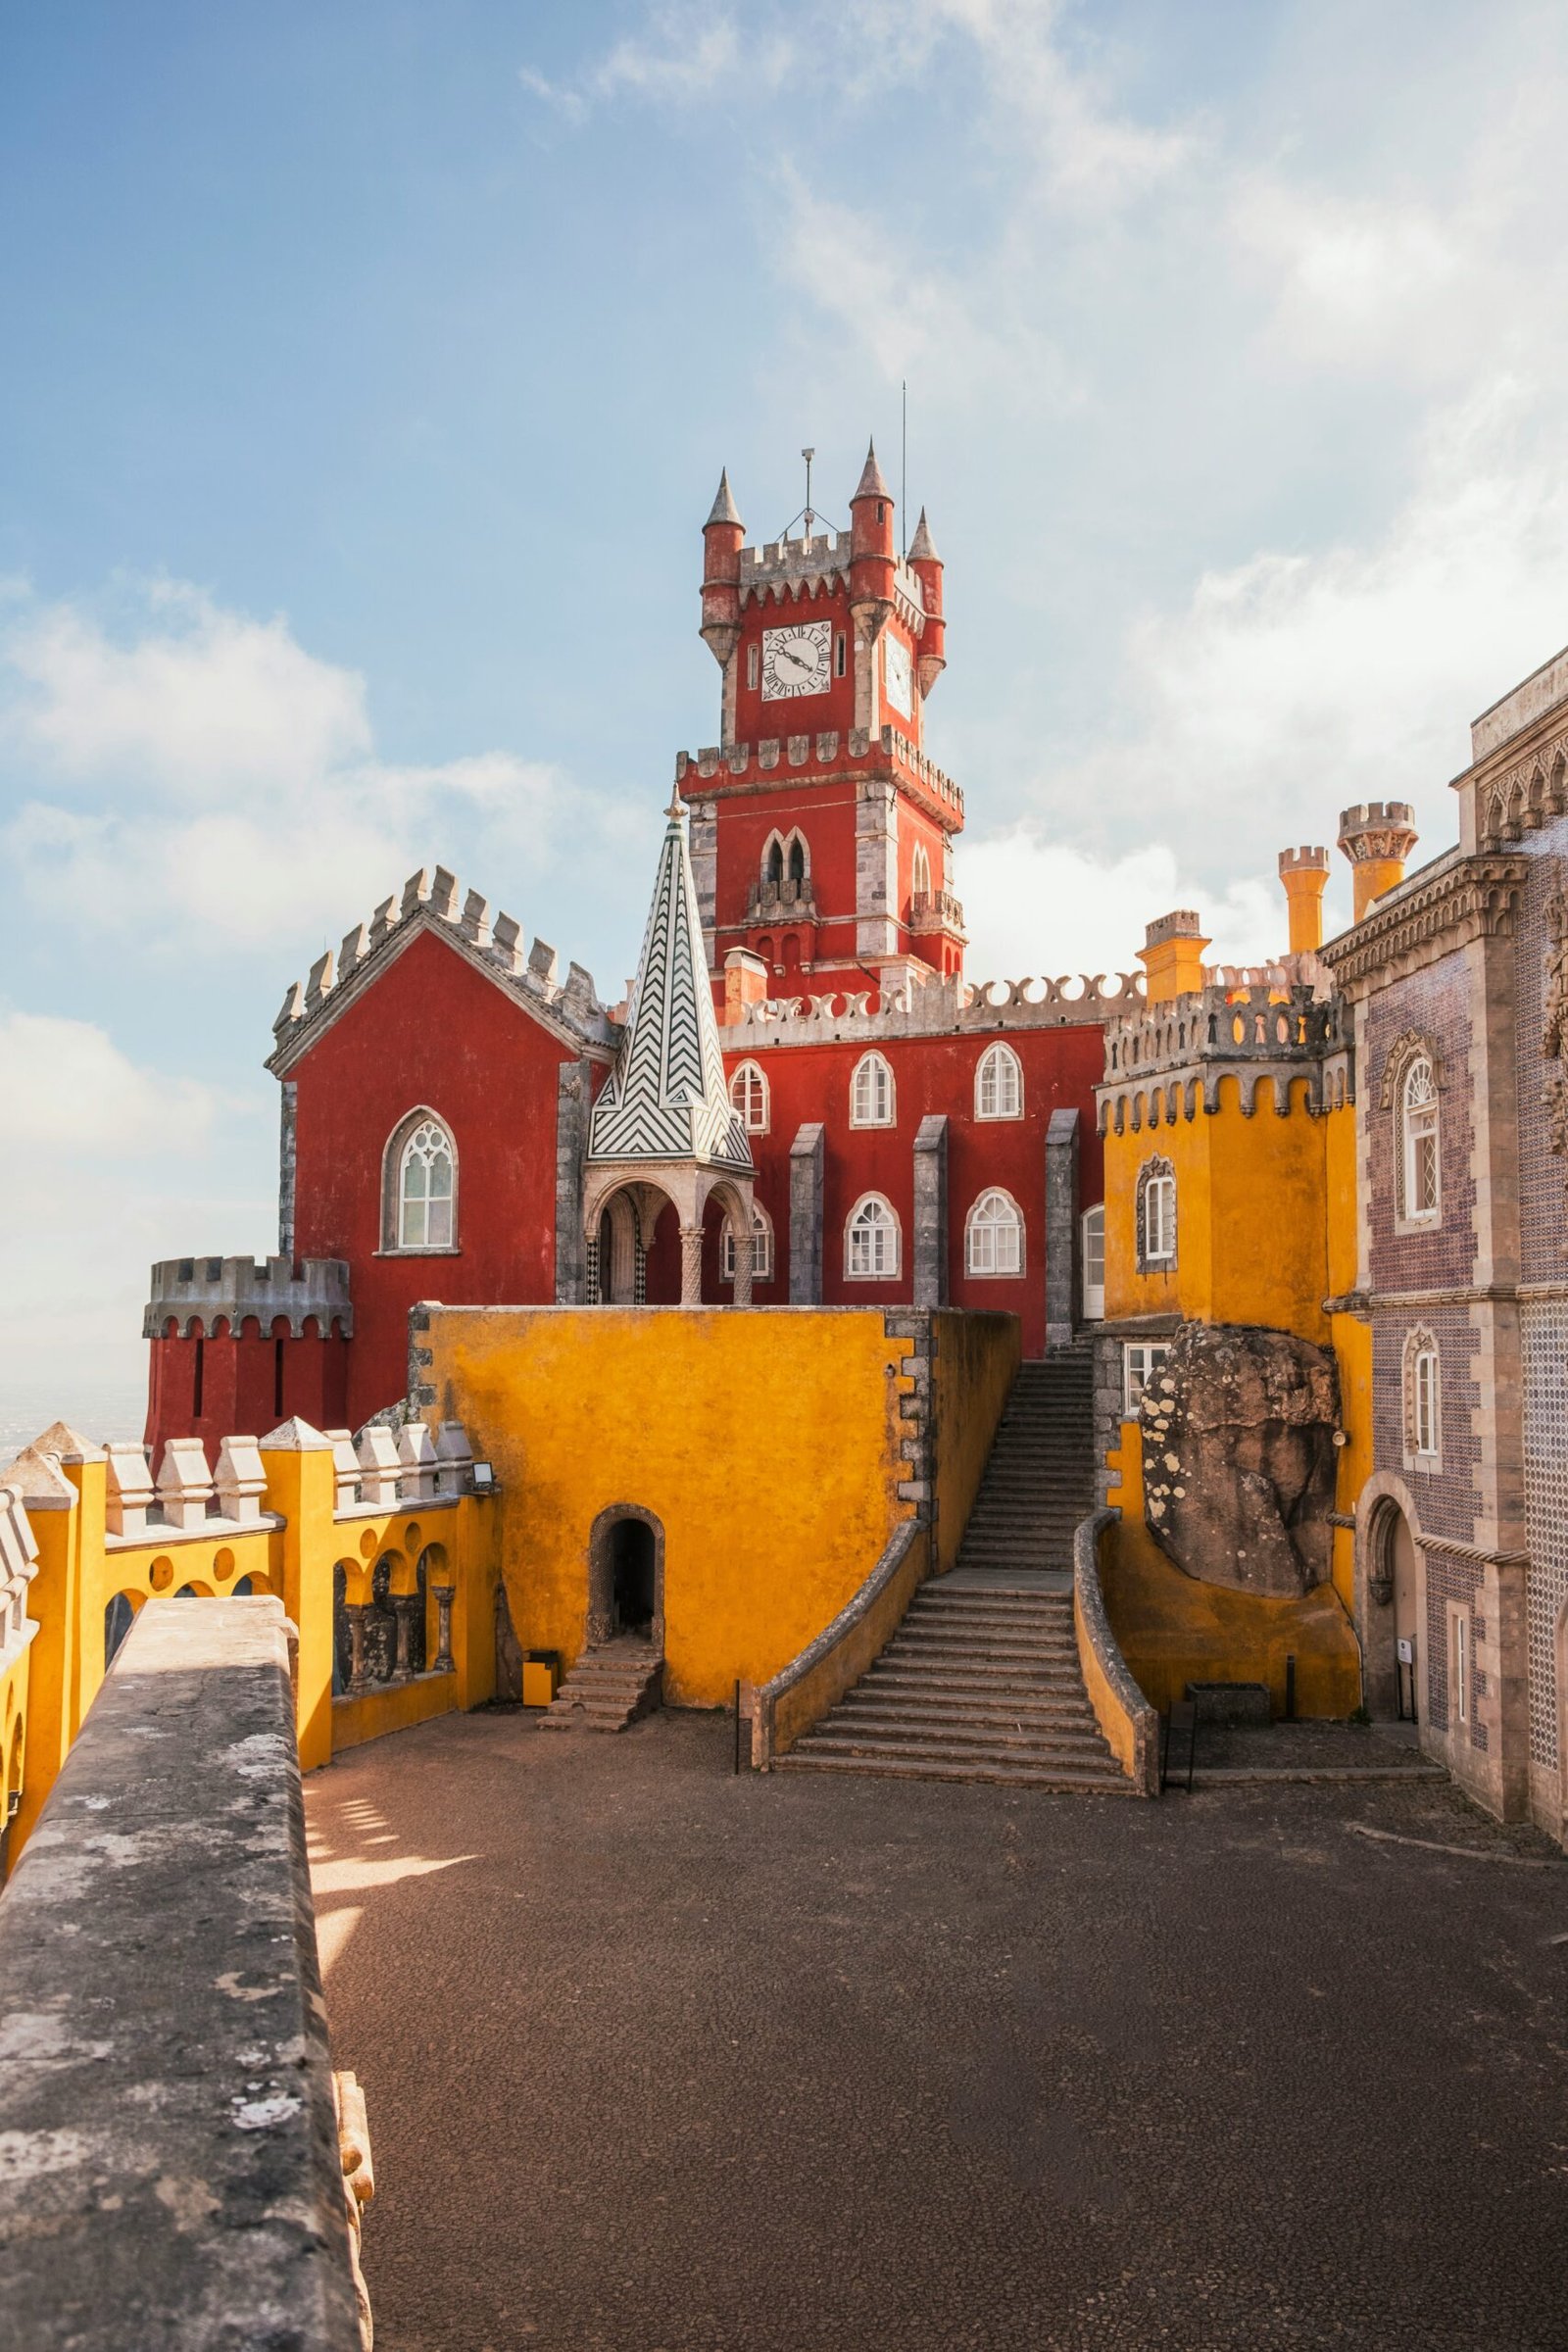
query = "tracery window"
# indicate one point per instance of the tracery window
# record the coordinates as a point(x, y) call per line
point(1421, 1168)
point(872, 1246)
point(920, 872)
point(998, 1085)
point(424, 1189)
point(762, 1246)
point(871, 1096)
point(747, 1094)
point(993, 1236)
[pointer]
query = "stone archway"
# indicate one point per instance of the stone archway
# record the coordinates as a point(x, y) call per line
point(1391, 1599)
point(627, 1576)
point(687, 1188)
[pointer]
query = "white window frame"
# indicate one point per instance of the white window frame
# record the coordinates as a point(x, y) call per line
point(762, 1246)
point(752, 665)
point(1426, 1404)
point(1141, 1359)
point(1005, 1094)
point(395, 1204)
point(889, 1240)
point(1156, 1213)
point(981, 1229)
point(1420, 1122)
point(873, 1093)
point(1460, 1665)
point(1093, 1294)
point(751, 1079)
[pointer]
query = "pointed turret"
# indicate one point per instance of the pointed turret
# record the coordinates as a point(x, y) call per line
point(667, 1099)
point(873, 558)
point(871, 484)
point(926, 565)
point(723, 536)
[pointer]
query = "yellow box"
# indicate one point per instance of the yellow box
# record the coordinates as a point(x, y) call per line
point(538, 1683)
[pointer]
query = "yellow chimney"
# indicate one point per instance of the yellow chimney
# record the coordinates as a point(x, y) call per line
point(1172, 957)
point(1305, 873)
point(1377, 837)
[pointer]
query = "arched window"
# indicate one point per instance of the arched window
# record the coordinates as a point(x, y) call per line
point(871, 1099)
point(872, 1239)
point(1423, 1400)
point(993, 1236)
point(1156, 1216)
point(796, 860)
point(1094, 1266)
point(773, 862)
point(762, 1246)
point(747, 1093)
point(427, 1191)
point(998, 1085)
point(920, 872)
point(1422, 1182)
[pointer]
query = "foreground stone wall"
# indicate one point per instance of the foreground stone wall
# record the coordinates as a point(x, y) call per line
point(172, 2171)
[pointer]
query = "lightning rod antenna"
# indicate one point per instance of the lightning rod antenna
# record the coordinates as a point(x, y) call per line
point(808, 455)
point(904, 467)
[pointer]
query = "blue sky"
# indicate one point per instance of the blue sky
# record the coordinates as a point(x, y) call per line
point(369, 370)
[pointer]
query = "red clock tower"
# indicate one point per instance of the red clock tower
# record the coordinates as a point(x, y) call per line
point(821, 834)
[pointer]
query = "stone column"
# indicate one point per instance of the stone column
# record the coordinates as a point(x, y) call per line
point(404, 1605)
point(444, 1661)
point(691, 1266)
point(805, 1216)
point(743, 1268)
point(572, 1095)
point(357, 1611)
point(931, 1211)
point(1062, 1227)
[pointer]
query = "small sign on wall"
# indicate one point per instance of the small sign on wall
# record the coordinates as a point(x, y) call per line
point(1405, 1650)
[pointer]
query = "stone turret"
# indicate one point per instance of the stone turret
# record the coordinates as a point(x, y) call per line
point(873, 552)
point(1305, 873)
point(723, 536)
point(1377, 837)
point(1172, 956)
point(926, 565)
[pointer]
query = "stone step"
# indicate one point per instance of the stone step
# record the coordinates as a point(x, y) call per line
point(996, 1770)
point(1048, 1727)
point(954, 1747)
point(607, 1690)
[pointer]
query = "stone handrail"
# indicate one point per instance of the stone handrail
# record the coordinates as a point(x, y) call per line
point(1130, 1725)
point(801, 1694)
point(174, 2172)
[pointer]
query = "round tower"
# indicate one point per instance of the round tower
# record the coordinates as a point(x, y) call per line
point(723, 536)
point(1305, 873)
point(1377, 837)
point(926, 565)
point(873, 556)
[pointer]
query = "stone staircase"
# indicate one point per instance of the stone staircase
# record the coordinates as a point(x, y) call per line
point(981, 1682)
point(608, 1688)
point(1040, 1481)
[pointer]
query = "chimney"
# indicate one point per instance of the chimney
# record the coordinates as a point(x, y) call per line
point(1377, 837)
point(1172, 957)
point(1304, 875)
point(745, 984)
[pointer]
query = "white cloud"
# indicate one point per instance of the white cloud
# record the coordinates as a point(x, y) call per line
point(68, 1086)
point(199, 776)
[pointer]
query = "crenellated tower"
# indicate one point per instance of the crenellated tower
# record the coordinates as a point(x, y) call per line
point(822, 835)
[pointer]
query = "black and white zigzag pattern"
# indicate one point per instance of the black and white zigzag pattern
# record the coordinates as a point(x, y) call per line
point(667, 1096)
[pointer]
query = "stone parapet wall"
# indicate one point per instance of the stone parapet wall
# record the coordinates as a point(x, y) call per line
point(829, 751)
point(196, 1293)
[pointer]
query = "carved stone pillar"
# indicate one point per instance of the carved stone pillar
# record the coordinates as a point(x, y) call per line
point(444, 1661)
point(357, 1612)
point(404, 1605)
point(691, 1266)
point(744, 1246)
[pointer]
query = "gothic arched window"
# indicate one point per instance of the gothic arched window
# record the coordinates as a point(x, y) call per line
point(1421, 1186)
point(993, 1242)
point(871, 1095)
point(1423, 1401)
point(796, 860)
point(424, 1186)
point(871, 1240)
point(998, 1085)
point(920, 872)
point(747, 1094)
point(773, 862)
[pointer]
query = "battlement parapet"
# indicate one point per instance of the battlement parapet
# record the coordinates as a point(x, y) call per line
point(18, 1565)
point(197, 1293)
point(495, 940)
point(936, 1008)
point(1271, 1022)
point(733, 767)
point(788, 570)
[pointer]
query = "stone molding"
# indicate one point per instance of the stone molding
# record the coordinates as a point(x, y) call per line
point(1128, 1723)
point(936, 1008)
point(1443, 907)
point(723, 771)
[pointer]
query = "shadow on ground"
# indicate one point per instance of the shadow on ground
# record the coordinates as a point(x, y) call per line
point(659, 2059)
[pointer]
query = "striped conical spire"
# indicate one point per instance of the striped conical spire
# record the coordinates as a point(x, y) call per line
point(666, 1098)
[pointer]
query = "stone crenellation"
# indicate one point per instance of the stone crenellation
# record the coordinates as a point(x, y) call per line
point(1269, 1022)
point(933, 1009)
point(783, 569)
point(830, 747)
point(196, 1293)
point(497, 940)
point(380, 1470)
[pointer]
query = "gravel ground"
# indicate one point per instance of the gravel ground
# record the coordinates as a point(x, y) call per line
point(658, 2059)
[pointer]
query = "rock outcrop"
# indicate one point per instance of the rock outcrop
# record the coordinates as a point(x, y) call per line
point(1239, 1457)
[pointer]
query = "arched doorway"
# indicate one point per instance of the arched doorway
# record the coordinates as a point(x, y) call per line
point(1394, 1660)
point(627, 1577)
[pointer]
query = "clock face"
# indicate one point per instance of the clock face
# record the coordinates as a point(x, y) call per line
point(896, 675)
point(797, 661)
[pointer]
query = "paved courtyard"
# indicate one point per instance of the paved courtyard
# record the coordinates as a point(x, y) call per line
point(660, 2058)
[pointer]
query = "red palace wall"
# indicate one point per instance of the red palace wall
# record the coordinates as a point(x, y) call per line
point(220, 1384)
